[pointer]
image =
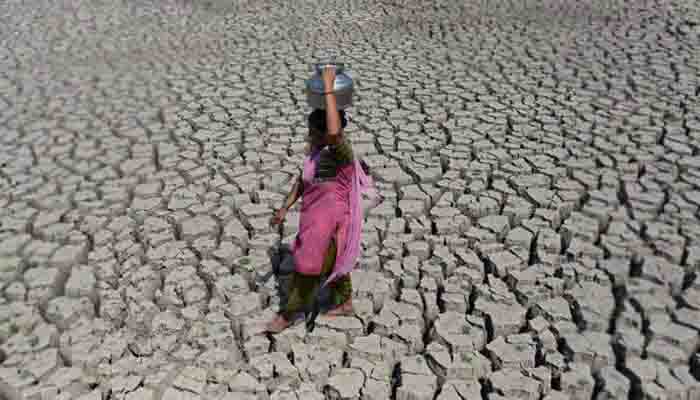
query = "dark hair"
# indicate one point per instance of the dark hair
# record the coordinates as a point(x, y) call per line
point(317, 120)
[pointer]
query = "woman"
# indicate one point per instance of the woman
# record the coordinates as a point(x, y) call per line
point(329, 225)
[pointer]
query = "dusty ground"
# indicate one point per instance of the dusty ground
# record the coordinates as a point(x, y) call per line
point(540, 237)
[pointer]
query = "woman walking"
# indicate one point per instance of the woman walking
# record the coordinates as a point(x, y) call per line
point(328, 240)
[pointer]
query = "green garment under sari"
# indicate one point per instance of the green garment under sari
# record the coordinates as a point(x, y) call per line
point(303, 287)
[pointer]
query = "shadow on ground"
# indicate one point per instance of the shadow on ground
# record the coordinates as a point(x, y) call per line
point(282, 263)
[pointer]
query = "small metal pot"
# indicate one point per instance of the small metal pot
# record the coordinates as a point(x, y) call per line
point(343, 87)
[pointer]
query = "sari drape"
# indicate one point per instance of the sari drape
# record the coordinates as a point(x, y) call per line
point(325, 213)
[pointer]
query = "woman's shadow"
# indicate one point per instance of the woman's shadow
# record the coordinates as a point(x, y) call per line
point(283, 267)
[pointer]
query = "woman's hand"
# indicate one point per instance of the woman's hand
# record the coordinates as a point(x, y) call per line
point(328, 75)
point(332, 117)
point(279, 217)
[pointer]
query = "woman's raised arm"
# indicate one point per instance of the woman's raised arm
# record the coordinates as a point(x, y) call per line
point(332, 116)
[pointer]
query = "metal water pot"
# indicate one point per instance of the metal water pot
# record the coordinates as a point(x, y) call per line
point(343, 87)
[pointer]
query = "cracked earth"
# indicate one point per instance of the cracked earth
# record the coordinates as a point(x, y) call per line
point(540, 237)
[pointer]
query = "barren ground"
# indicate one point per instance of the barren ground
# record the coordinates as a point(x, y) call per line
point(540, 237)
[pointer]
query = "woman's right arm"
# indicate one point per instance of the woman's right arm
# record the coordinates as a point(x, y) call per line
point(294, 193)
point(292, 198)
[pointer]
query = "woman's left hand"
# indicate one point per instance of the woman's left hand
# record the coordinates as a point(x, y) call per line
point(328, 75)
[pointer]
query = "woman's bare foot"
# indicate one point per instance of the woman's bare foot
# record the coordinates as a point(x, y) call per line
point(344, 309)
point(277, 325)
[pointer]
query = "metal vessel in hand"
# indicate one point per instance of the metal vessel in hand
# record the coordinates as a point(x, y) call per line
point(343, 87)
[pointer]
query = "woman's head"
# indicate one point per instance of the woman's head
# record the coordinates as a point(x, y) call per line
point(317, 125)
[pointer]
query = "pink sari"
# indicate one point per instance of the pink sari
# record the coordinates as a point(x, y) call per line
point(330, 209)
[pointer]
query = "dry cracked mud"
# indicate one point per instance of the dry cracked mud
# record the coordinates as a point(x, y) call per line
point(540, 237)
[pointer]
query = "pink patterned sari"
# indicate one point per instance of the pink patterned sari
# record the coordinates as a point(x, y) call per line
point(330, 210)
